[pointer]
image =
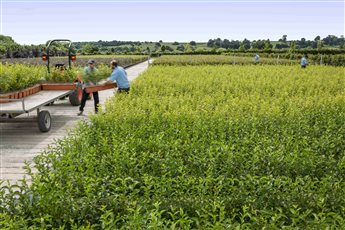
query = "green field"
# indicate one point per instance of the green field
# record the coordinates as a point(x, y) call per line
point(248, 58)
point(235, 59)
point(199, 147)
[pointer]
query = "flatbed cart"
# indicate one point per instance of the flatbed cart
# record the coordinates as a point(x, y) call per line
point(15, 107)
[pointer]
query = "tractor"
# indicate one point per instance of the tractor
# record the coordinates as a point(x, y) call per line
point(76, 96)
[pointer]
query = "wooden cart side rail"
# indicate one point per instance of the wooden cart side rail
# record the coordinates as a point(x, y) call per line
point(35, 89)
point(60, 86)
point(20, 93)
point(95, 88)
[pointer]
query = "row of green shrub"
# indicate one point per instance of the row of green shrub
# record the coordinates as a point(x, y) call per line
point(203, 147)
point(124, 60)
point(248, 58)
point(20, 76)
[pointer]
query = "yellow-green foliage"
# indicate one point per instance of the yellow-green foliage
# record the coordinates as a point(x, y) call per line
point(18, 76)
point(123, 60)
point(243, 90)
point(236, 59)
point(62, 75)
point(104, 71)
point(199, 147)
point(70, 75)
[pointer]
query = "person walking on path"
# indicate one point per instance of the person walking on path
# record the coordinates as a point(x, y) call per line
point(120, 76)
point(89, 78)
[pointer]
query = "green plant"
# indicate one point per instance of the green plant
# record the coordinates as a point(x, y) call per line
point(199, 147)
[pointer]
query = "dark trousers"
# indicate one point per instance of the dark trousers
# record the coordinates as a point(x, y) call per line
point(85, 96)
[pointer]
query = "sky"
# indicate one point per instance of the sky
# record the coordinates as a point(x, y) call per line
point(35, 22)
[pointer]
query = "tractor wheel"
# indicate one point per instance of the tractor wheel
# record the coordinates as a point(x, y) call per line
point(44, 121)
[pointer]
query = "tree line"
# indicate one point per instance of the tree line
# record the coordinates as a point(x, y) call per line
point(329, 41)
point(328, 45)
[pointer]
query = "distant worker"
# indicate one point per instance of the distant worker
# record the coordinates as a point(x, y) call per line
point(256, 58)
point(120, 76)
point(304, 62)
point(89, 78)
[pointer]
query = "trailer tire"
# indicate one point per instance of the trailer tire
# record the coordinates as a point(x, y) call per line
point(44, 121)
point(76, 96)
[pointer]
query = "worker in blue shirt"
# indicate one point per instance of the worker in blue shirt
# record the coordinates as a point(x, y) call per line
point(304, 62)
point(256, 58)
point(120, 76)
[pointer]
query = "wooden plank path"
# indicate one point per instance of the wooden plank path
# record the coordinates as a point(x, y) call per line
point(20, 142)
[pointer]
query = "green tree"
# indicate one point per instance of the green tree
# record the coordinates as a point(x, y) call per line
point(246, 44)
point(293, 46)
point(319, 45)
point(89, 49)
point(241, 48)
point(180, 48)
point(138, 49)
point(268, 45)
point(188, 48)
point(284, 38)
point(2, 50)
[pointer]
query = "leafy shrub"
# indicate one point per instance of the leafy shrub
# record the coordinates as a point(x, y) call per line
point(198, 147)
point(20, 76)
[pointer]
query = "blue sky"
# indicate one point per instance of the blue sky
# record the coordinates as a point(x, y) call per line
point(35, 22)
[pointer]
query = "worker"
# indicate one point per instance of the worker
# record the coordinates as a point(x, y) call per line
point(120, 76)
point(89, 78)
point(256, 58)
point(304, 62)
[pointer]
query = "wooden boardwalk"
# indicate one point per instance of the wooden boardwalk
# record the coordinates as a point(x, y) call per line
point(20, 142)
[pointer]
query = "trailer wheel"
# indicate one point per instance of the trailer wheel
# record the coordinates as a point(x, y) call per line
point(44, 121)
point(76, 96)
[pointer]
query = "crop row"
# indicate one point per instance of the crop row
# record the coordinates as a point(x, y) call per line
point(216, 60)
point(19, 76)
point(125, 60)
point(244, 59)
point(243, 147)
